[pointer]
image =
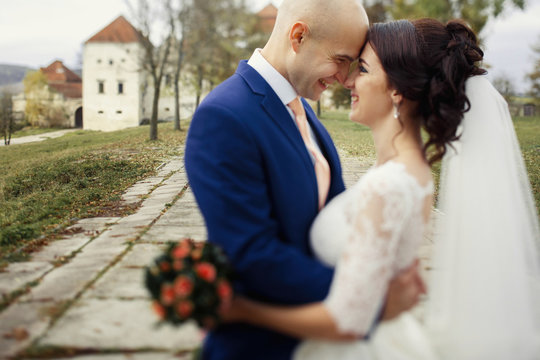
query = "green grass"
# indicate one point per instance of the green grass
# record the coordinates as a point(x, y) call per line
point(528, 132)
point(356, 140)
point(45, 185)
point(27, 131)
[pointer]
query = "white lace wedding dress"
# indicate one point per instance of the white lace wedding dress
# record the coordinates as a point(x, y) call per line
point(374, 229)
point(484, 294)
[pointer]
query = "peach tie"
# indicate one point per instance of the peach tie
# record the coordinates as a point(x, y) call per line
point(322, 169)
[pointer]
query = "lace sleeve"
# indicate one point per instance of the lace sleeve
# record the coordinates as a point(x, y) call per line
point(375, 218)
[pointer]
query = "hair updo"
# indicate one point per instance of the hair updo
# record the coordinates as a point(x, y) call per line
point(428, 62)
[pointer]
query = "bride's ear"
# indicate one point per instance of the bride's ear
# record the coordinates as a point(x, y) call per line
point(397, 97)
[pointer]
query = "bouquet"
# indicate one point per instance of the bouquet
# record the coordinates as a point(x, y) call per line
point(190, 280)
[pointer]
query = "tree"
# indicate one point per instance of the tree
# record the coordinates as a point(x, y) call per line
point(154, 59)
point(182, 17)
point(475, 12)
point(376, 10)
point(341, 96)
point(36, 94)
point(216, 39)
point(504, 85)
point(534, 75)
point(6, 117)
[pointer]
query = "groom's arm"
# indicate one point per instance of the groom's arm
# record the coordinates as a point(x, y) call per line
point(227, 175)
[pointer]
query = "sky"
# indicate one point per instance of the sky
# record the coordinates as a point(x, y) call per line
point(34, 33)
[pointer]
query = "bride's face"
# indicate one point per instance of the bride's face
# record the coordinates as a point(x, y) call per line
point(370, 94)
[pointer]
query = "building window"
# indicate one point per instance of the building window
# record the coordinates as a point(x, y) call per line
point(111, 61)
point(120, 87)
point(100, 112)
point(118, 111)
point(101, 87)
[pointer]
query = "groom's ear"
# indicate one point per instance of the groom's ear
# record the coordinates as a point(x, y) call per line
point(298, 34)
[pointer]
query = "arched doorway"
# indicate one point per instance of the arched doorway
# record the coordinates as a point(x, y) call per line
point(78, 118)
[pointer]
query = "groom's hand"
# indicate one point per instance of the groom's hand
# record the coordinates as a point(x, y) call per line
point(404, 292)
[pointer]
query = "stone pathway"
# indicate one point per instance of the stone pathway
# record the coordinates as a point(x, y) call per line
point(83, 297)
point(39, 137)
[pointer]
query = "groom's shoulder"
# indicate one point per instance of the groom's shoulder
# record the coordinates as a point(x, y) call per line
point(231, 93)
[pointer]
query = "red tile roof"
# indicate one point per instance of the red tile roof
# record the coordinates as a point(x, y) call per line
point(269, 11)
point(69, 90)
point(57, 72)
point(267, 18)
point(119, 31)
point(63, 80)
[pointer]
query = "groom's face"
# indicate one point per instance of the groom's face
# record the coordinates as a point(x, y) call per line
point(321, 62)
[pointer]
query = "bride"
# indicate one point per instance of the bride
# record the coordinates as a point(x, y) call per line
point(414, 77)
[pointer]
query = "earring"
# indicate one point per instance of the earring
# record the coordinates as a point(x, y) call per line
point(396, 111)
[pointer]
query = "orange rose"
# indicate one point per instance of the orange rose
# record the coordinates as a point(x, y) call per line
point(178, 265)
point(167, 295)
point(181, 250)
point(164, 266)
point(196, 254)
point(206, 271)
point(183, 286)
point(224, 290)
point(184, 308)
point(160, 310)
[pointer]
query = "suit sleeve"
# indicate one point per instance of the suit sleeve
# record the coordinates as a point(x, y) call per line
point(226, 171)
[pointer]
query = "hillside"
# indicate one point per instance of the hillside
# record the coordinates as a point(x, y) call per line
point(10, 74)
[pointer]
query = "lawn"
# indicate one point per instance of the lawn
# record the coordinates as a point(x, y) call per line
point(27, 131)
point(356, 140)
point(45, 186)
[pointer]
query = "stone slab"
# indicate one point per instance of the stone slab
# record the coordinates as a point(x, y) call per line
point(161, 234)
point(66, 281)
point(28, 320)
point(61, 248)
point(112, 241)
point(16, 275)
point(131, 356)
point(93, 226)
point(118, 324)
point(141, 255)
point(119, 282)
point(173, 188)
point(142, 219)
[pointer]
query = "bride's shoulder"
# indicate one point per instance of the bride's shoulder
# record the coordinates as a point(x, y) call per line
point(397, 175)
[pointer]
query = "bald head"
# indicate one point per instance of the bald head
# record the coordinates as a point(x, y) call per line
point(314, 41)
point(322, 16)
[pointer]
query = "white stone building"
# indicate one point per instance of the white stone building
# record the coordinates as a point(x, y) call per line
point(59, 99)
point(117, 92)
point(112, 78)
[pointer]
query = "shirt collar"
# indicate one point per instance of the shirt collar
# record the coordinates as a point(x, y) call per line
point(277, 82)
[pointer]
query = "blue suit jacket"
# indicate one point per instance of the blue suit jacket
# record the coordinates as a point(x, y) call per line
point(256, 187)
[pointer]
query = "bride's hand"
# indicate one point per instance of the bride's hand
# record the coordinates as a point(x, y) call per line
point(235, 311)
point(403, 292)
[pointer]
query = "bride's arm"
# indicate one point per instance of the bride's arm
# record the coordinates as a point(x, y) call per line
point(300, 321)
point(314, 320)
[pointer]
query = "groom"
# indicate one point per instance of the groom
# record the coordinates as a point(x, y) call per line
point(258, 179)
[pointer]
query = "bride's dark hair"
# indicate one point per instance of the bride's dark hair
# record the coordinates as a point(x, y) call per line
point(428, 62)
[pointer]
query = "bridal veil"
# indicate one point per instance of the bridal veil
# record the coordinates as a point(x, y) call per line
point(484, 297)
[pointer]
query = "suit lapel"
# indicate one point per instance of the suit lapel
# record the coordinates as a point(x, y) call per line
point(275, 109)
